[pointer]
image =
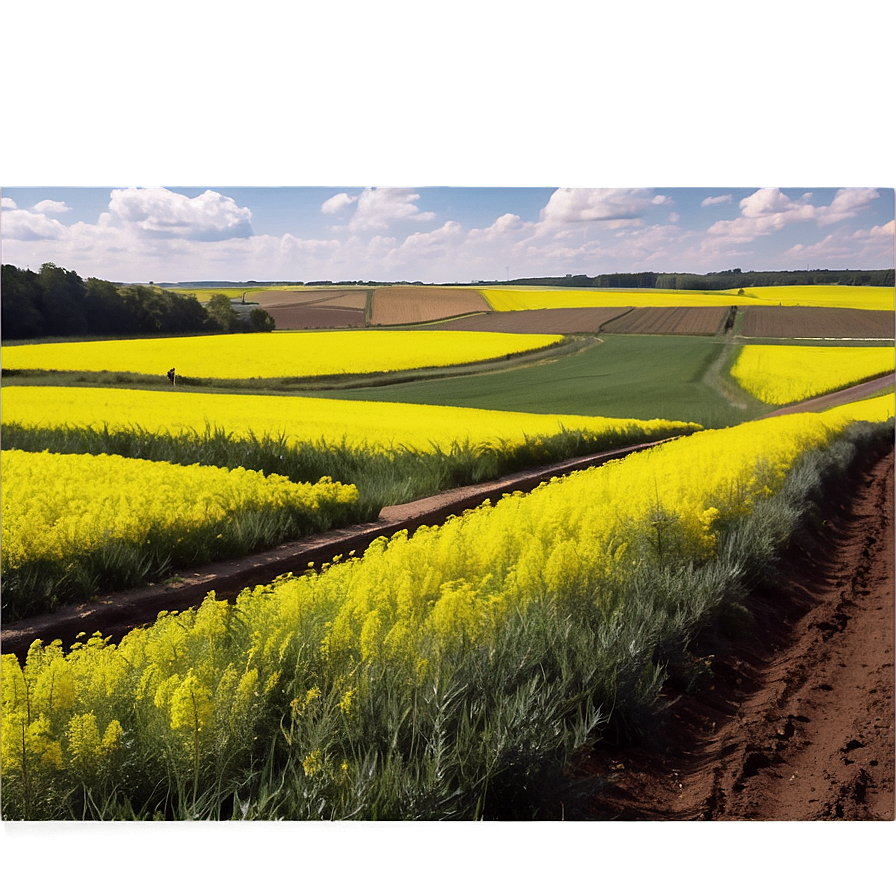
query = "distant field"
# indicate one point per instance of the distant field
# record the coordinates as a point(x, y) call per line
point(548, 320)
point(271, 355)
point(871, 298)
point(645, 377)
point(411, 304)
point(797, 322)
point(314, 309)
point(880, 298)
point(232, 292)
point(670, 321)
point(335, 298)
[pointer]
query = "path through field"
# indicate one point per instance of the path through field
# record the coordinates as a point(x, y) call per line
point(796, 721)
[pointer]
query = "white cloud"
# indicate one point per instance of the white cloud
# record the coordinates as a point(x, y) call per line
point(159, 212)
point(50, 207)
point(569, 205)
point(772, 203)
point(21, 224)
point(337, 203)
point(762, 212)
point(716, 200)
point(845, 204)
point(6, 202)
point(379, 207)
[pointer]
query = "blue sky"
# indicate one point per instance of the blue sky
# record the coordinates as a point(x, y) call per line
point(440, 234)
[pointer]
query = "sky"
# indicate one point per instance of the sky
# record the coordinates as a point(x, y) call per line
point(440, 234)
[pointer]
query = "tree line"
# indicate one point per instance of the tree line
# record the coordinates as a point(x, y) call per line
point(57, 302)
point(733, 279)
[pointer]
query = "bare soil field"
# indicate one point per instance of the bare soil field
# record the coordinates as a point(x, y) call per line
point(560, 321)
point(411, 304)
point(339, 298)
point(670, 321)
point(795, 722)
point(804, 323)
point(306, 316)
point(314, 309)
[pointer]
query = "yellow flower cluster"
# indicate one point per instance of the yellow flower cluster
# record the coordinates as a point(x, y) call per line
point(781, 374)
point(268, 355)
point(357, 423)
point(56, 506)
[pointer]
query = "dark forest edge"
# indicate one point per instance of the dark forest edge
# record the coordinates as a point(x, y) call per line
point(57, 302)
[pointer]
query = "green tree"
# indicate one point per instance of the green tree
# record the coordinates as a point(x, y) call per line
point(21, 315)
point(221, 315)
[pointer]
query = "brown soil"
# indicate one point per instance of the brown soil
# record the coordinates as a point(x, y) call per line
point(397, 305)
point(559, 321)
point(795, 721)
point(796, 322)
point(671, 321)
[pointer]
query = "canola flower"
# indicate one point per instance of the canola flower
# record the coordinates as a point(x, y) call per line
point(278, 354)
point(879, 298)
point(363, 424)
point(188, 693)
point(781, 374)
point(58, 508)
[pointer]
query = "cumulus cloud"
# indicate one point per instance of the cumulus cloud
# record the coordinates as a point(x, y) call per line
point(762, 212)
point(379, 207)
point(571, 205)
point(6, 202)
point(335, 204)
point(50, 207)
point(22, 224)
point(159, 212)
point(716, 200)
point(768, 203)
point(846, 203)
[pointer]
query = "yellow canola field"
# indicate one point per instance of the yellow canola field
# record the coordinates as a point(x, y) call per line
point(358, 423)
point(269, 355)
point(196, 675)
point(869, 298)
point(781, 374)
point(880, 298)
point(58, 506)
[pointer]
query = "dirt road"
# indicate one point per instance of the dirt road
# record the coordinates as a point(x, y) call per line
point(795, 722)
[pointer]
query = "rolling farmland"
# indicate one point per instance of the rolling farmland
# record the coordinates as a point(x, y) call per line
point(395, 305)
point(314, 309)
point(473, 668)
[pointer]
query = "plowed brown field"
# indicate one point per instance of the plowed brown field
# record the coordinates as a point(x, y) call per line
point(559, 321)
point(313, 309)
point(670, 321)
point(818, 323)
point(315, 317)
point(342, 298)
point(410, 304)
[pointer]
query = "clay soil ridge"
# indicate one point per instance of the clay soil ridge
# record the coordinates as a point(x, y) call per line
point(795, 722)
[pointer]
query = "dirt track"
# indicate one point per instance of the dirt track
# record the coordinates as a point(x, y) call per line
point(796, 721)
